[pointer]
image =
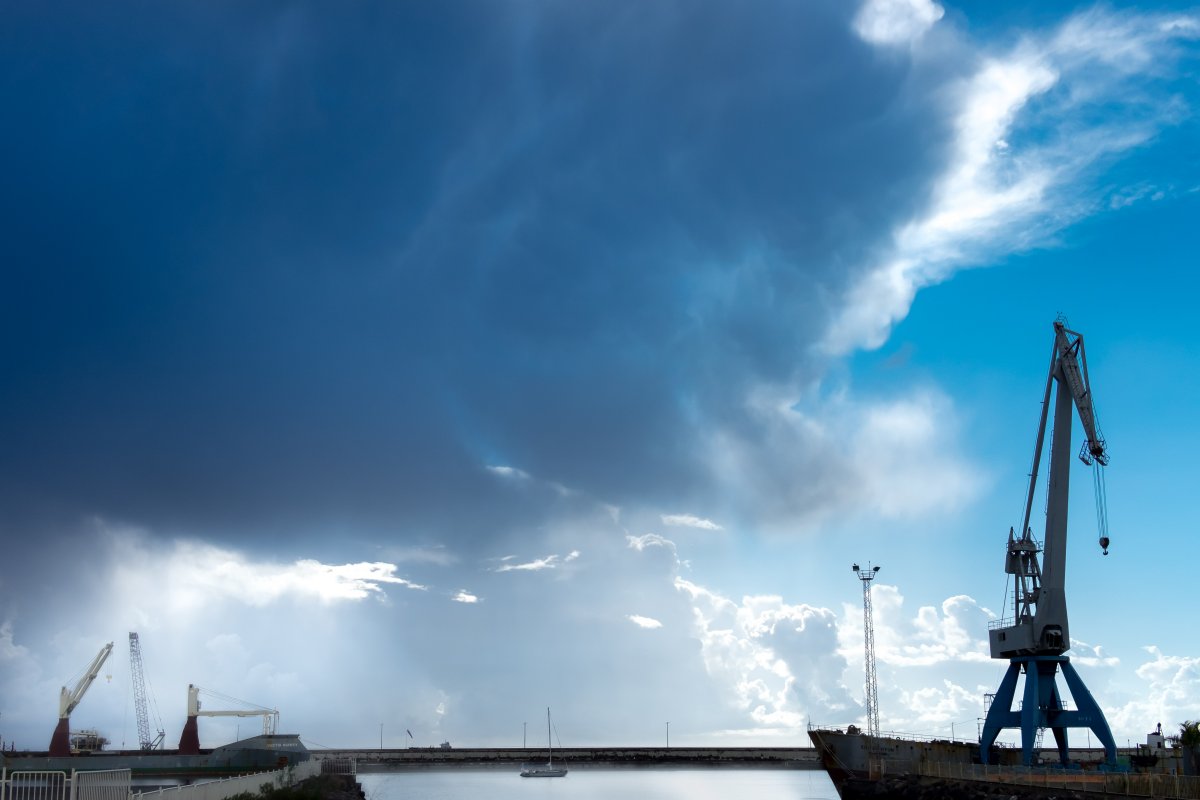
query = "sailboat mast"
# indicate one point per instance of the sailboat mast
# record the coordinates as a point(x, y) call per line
point(549, 738)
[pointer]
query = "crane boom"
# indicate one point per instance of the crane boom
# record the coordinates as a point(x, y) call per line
point(270, 716)
point(1039, 622)
point(69, 699)
point(1073, 362)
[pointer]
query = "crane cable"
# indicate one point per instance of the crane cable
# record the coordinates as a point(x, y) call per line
point(1101, 504)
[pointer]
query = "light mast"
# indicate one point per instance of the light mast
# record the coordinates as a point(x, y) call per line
point(871, 691)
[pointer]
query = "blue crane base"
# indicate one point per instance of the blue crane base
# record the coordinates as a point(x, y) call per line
point(1041, 707)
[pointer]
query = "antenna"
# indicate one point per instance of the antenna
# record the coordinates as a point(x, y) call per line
point(872, 683)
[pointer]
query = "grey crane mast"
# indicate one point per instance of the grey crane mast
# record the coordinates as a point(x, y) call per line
point(140, 704)
point(1036, 636)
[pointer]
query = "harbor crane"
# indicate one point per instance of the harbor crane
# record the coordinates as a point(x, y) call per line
point(189, 740)
point(68, 699)
point(140, 704)
point(1035, 638)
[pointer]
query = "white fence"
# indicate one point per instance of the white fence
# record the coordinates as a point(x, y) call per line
point(109, 784)
point(227, 787)
point(115, 785)
point(34, 785)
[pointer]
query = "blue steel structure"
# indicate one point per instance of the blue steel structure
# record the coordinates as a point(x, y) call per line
point(1036, 637)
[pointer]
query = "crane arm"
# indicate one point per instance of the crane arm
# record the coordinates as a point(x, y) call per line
point(1068, 364)
point(270, 715)
point(1072, 361)
point(1039, 623)
point(69, 699)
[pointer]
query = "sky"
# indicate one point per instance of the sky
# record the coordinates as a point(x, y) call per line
point(412, 368)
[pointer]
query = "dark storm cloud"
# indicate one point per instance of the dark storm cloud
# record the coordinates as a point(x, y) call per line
point(271, 270)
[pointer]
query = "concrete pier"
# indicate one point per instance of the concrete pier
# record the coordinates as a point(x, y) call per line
point(372, 760)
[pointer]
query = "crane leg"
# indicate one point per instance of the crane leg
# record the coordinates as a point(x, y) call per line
point(1089, 712)
point(1031, 716)
point(1060, 739)
point(1053, 708)
point(1000, 715)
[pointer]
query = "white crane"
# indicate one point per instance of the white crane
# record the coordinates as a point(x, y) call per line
point(1035, 638)
point(68, 699)
point(189, 741)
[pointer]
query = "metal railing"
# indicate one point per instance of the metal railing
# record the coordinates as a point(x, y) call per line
point(339, 765)
point(903, 736)
point(115, 784)
point(109, 784)
point(227, 787)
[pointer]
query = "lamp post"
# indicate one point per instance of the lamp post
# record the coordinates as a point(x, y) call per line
point(381, 736)
point(524, 730)
point(668, 734)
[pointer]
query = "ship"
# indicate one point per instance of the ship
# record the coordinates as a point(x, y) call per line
point(263, 752)
point(84, 749)
point(860, 765)
point(849, 755)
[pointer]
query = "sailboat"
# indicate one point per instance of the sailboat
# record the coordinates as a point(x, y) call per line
point(547, 770)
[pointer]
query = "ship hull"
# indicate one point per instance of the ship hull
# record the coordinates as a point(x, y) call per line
point(850, 757)
point(247, 755)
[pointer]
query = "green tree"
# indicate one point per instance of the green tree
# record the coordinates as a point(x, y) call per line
point(1189, 742)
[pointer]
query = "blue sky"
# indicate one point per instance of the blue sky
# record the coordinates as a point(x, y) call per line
point(430, 364)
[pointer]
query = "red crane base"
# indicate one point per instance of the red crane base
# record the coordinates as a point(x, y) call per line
point(189, 740)
point(60, 742)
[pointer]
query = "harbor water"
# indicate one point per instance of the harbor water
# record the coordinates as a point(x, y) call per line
point(593, 783)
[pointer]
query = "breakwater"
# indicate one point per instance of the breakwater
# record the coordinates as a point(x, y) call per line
point(368, 760)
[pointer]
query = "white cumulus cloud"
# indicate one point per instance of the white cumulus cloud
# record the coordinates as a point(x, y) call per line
point(190, 575)
point(538, 564)
point(834, 454)
point(892, 22)
point(779, 662)
point(1029, 138)
point(643, 622)
point(690, 521)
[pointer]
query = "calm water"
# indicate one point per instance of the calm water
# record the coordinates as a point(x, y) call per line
point(602, 784)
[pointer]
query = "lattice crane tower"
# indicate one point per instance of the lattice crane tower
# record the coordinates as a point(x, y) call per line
point(872, 683)
point(140, 704)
